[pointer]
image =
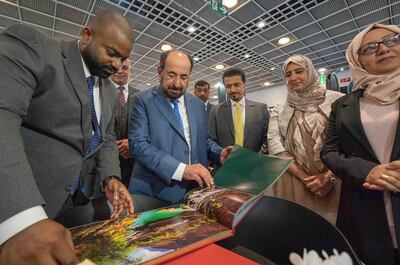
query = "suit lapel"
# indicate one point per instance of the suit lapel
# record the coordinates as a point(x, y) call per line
point(249, 114)
point(352, 121)
point(74, 69)
point(192, 119)
point(227, 116)
point(166, 110)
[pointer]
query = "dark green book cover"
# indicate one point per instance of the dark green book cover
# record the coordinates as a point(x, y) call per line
point(250, 172)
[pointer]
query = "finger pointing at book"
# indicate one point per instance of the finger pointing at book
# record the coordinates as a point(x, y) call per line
point(198, 173)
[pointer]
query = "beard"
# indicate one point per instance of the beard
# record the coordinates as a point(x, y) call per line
point(95, 68)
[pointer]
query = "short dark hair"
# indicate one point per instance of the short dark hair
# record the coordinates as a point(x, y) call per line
point(234, 72)
point(202, 83)
point(164, 56)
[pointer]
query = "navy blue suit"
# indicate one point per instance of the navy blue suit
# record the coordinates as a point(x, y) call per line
point(158, 144)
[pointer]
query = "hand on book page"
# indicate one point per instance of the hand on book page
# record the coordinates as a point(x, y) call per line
point(208, 215)
point(198, 173)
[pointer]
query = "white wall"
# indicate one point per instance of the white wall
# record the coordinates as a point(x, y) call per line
point(269, 95)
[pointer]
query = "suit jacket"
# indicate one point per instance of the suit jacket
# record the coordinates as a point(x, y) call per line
point(208, 110)
point(158, 144)
point(45, 122)
point(221, 127)
point(348, 153)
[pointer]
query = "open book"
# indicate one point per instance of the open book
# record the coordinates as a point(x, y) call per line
point(206, 216)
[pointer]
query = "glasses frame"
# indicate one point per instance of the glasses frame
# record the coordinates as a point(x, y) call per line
point(375, 45)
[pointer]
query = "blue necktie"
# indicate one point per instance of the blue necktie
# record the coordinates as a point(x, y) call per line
point(96, 137)
point(175, 102)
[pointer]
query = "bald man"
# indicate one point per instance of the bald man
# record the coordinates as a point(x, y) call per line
point(125, 92)
point(57, 134)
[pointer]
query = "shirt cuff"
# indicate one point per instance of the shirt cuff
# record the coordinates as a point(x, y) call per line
point(178, 174)
point(20, 221)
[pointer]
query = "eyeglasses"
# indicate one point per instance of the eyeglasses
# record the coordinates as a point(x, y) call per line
point(372, 47)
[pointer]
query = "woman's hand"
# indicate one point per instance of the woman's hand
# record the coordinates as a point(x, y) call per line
point(320, 184)
point(384, 177)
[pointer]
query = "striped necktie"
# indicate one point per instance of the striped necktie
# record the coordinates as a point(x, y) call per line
point(96, 137)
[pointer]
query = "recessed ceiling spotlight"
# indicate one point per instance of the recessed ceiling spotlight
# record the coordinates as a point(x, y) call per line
point(219, 66)
point(191, 29)
point(166, 47)
point(261, 24)
point(196, 58)
point(148, 84)
point(267, 83)
point(246, 55)
point(273, 68)
point(342, 69)
point(284, 40)
point(229, 3)
point(215, 97)
point(322, 70)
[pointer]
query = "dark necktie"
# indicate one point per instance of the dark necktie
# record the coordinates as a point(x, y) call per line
point(121, 95)
point(175, 103)
point(96, 137)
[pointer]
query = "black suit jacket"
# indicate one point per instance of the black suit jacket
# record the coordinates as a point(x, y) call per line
point(45, 124)
point(348, 153)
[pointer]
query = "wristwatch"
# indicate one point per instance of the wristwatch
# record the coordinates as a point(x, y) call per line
point(103, 184)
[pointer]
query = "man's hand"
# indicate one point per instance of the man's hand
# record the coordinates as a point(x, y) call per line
point(45, 242)
point(199, 174)
point(225, 153)
point(384, 177)
point(119, 197)
point(123, 148)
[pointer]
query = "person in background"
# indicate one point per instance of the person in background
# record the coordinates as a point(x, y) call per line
point(238, 120)
point(202, 91)
point(363, 146)
point(125, 92)
point(297, 130)
point(56, 116)
point(168, 138)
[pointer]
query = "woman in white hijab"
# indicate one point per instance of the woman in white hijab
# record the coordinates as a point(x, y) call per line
point(363, 146)
point(297, 130)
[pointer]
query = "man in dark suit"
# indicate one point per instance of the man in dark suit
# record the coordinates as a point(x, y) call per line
point(57, 134)
point(202, 91)
point(238, 120)
point(168, 138)
point(125, 92)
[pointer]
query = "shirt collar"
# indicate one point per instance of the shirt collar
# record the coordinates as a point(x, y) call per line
point(85, 68)
point(241, 102)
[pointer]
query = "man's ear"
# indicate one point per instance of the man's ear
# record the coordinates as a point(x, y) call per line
point(86, 36)
point(159, 70)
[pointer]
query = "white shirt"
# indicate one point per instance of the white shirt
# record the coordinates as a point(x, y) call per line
point(28, 217)
point(242, 103)
point(125, 90)
point(178, 174)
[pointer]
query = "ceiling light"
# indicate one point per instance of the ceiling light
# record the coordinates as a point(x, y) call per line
point(342, 69)
point(166, 47)
point(321, 70)
point(215, 97)
point(219, 66)
point(229, 3)
point(191, 29)
point(246, 55)
point(273, 68)
point(267, 83)
point(148, 84)
point(284, 40)
point(261, 24)
point(196, 58)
